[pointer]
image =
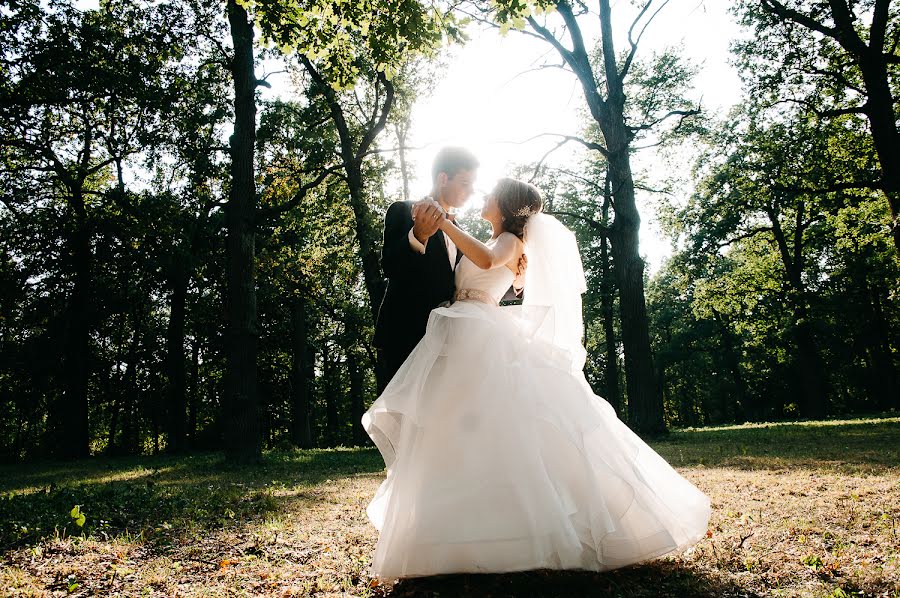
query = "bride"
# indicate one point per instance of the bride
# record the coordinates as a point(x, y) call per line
point(499, 456)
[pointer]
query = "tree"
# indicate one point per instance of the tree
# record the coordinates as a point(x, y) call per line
point(335, 34)
point(610, 112)
point(71, 117)
point(756, 173)
point(192, 185)
point(833, 57)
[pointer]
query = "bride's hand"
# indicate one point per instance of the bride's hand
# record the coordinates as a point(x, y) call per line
point(446, 221)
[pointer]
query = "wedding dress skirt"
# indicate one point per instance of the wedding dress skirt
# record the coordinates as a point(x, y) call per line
point(501, 458)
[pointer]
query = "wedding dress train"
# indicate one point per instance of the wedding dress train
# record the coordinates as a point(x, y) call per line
point(501, 458)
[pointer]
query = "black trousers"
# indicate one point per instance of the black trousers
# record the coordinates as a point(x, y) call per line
point(389, 360)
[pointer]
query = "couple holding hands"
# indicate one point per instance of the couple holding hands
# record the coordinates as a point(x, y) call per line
point(499, 455)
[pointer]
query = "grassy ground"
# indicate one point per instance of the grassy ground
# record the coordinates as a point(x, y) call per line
point(809, 509)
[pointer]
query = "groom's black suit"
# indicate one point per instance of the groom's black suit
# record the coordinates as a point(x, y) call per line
point(417, 284)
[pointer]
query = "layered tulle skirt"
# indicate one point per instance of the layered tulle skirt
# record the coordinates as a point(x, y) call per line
point(500, 458)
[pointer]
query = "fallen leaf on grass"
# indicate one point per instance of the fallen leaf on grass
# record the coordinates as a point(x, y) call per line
point(224, 563)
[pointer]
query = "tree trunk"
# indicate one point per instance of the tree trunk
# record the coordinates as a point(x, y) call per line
point(368, 238)
point(369, 242)
point(645, 407)
point(611, 367)
point(644, 401)
point(353, 149)
point(301, 370)
point(883, 374)
point(885, 136)
point(70, 432)
point(607, 301)
point(809, 367)
point(176, 404)
point(128, 441)
point(240, 405)
point(117, 401)
point(404, 167)
point(193, 394)
point(357, 399)
point(330, 374)
point(730, 353)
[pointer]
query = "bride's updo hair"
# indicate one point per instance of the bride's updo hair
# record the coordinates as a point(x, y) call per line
point(517, 201)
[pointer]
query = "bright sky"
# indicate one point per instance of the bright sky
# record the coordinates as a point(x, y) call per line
point(488, 100)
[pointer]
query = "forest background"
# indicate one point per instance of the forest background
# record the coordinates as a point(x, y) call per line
point(191, 196)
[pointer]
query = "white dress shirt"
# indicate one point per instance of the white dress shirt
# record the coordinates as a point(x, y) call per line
point(417, 245)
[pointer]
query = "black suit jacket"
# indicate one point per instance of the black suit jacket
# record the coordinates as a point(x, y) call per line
point(416, 283)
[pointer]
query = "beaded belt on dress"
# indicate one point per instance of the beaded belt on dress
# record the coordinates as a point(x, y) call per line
point(475, 295)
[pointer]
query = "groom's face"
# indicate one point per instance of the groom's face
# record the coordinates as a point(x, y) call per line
point(457, 190)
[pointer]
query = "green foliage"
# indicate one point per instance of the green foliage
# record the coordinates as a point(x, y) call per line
point(77, 516)
point(771, 236)
point(341, 35)
point(160, 497)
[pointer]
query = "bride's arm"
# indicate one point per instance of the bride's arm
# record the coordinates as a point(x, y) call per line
point(503, 252)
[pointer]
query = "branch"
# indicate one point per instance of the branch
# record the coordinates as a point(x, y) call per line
point(652, 190)
point(847, 35)
point(540, 163)
point(299, 195)
point(683, 113)
point(824, 113)
point(588, 144)
point(878, 29)
point(603, 230)
point(871, 185)
point(373, 132)
point(14, 211)
point(577, 58)
point(779, 9)
point(545, 34)
point(581, 178)
point(747, 235)
point(634, 43)
point(392, 150)
point(536, 69)
point(839, 77)
point(227, 57)
point(578, 48)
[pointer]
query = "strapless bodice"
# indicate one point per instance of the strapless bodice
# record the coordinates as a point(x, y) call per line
point(476, 284)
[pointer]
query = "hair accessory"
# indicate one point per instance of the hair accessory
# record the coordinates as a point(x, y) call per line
point(525, 211)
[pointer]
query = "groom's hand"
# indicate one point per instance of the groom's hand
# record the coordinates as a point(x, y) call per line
point(427, 215)
point(521, 267)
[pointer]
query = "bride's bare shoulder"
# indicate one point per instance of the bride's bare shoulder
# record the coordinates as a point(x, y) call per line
point(511, 238)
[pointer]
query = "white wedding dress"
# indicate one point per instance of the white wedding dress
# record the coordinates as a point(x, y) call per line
point(501, 458)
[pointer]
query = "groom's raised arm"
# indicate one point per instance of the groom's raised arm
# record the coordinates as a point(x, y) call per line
point(396, 254)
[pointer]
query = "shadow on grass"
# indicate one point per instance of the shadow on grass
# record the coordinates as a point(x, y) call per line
point(658, 578)
point(849, 446)
point(287, 467)
point(139, 496)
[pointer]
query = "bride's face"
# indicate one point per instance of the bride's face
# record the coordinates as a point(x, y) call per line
point(490, 211)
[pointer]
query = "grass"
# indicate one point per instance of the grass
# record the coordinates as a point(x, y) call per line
point(809, 509)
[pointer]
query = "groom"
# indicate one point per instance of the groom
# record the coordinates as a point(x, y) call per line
point(418, 259)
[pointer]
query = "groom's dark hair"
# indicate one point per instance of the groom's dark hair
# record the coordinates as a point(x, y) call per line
point(451, 160)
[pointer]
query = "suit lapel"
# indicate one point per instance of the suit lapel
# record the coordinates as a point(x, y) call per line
point(459, 253)
point(442, 247)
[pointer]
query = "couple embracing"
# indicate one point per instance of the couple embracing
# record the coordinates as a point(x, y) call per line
point(499, 455)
